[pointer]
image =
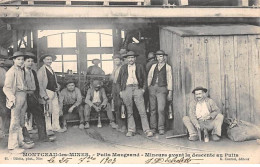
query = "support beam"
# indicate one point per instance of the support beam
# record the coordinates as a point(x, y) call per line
point(242, 2)
point(29, 40)
point(123, 12)
point(15, 40)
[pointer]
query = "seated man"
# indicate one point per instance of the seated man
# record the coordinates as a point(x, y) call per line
point(70, 101)
point(96, 100)
point(204, 115)
point(95, 69)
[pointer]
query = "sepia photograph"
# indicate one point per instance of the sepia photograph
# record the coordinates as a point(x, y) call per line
point(129, 82)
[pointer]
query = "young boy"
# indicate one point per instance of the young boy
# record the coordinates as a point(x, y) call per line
point(15, 91)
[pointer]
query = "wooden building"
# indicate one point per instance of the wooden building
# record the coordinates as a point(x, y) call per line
point(224, 59)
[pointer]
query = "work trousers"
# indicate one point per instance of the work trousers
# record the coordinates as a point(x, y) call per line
point(17, 121)
point(117, 105)
point(157, 98)
point(77, 110)
point(88, 109)
point(52, 122)
point(37, 111)
point(212, 124)
point(128, 95)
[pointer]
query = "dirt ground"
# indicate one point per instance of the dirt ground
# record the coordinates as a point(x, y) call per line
point(106, 140)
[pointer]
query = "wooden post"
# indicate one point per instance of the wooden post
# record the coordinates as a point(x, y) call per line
point(35, 38)
point(29, 40)
point(242, 2)
point(183, 2)
point(15, 40)
point(116, 39)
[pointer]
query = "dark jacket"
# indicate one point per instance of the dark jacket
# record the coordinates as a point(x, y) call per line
point(140, 76)
point(37, 91)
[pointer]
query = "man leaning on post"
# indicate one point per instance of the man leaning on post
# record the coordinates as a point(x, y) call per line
point(204, 115)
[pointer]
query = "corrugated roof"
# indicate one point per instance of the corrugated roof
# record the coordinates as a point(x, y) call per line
point(214, 30)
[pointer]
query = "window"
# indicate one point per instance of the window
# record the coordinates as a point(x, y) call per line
point(99, 38)
point(106, 63)
point(59, 38)
point(64, 63)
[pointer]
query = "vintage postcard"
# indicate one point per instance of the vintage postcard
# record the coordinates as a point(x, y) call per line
point(129, 82)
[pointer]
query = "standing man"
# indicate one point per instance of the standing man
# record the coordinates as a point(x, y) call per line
point(15, 91)
point(204, 115)
point(48, 93)
point(160, 90)
point(34, 107)
point(95, 69)
point(115, 92)
point(71, 102)
point(150, 61)
point(3, 110)
point(132, 82)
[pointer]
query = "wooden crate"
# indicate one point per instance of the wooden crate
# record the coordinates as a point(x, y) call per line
point(222, 58)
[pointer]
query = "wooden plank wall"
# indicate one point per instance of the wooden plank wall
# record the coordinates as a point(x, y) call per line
point(206, 61)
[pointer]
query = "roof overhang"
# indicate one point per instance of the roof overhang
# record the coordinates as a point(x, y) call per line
point(125, 12)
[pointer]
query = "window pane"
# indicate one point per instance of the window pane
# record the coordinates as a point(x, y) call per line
point(54, 41)
point(70, 66)
point(107, 66)
point(57, 66)
point(107, 56)
point(69, 57)
point(59, 58)
point(93, 40)
point(93, 56)
point(106, 41)
point(69, 40)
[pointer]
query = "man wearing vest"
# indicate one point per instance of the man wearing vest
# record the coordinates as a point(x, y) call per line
point(34, 107)
point(204, 115)
point(132, 82)
point(96, 100)
point(160, 90)
point(48, 93)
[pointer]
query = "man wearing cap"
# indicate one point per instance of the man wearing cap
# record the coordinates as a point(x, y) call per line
point(204, 115)
point(96, 100)
point(160, 90)
point(95, 69)
point(150, 61)
point(132, 82)
point(34, 107)
point(4, 113)
point(71, 102)
point(115, 92)
point(15, 91)
point(48, 93)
